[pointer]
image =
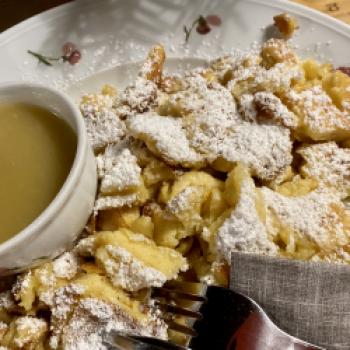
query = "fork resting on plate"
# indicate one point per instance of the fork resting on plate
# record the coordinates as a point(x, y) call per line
point(219, 318)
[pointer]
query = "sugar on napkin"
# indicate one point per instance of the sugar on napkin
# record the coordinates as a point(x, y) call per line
point(310, 300)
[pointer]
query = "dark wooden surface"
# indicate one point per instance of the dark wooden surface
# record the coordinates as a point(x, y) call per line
point(13, 11)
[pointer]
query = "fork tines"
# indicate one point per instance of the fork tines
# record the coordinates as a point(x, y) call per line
point(177, 310)
point(181, 300)
point(169, 293)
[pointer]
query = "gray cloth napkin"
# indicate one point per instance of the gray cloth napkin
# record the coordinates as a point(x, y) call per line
point(306, 299)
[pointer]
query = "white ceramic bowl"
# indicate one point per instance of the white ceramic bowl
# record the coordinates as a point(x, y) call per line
point(57, 227)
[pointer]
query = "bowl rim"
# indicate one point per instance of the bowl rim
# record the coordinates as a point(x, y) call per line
point(66, 190)
point(61, 11)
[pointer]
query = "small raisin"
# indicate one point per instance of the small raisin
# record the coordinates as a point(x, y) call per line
point(203, 28)
point(74, 57)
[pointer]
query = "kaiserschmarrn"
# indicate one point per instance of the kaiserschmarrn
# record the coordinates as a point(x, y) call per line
point(248, 154)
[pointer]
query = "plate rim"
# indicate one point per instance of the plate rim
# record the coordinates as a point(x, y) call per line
point(302, 10)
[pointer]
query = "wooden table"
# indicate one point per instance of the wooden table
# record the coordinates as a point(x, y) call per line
point(14, 11)
point(339, 8)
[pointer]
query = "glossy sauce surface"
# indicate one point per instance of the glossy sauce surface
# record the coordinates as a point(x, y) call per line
point(37, 150)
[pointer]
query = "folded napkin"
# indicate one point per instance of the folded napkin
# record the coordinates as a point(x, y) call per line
point(306, 299)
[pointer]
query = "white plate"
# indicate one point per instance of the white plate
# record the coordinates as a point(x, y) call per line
point(113, 32)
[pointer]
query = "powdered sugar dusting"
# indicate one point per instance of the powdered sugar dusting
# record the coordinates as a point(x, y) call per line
point(66, 266)
point(85, 246)
point(140, 95)
point(92, 318)
point(63, 300)
point(277, 78)
point(328, 163)
point(266, 149)
point(102, 123)
point(213, 127)
point(117, 201)
point(317, 216)
point(243, 230)
point(247, 107)
point(28, 328)
point(274, 110)
point(212, 113)
point(6, 300)
point(340, 255)
point(319, 114)
point(118, 169)
point(181, 201)
point(168, 136)
point(130, 273)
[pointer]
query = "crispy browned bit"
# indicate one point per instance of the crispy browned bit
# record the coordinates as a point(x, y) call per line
point(222, 273)
point(153, 67)
point(149, 208)
point(286, 24)
point(276, 51)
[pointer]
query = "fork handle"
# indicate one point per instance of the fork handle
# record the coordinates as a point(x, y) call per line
point(232, 321)
point(258, 333)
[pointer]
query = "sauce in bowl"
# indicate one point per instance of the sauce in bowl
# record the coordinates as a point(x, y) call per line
point(37, 150)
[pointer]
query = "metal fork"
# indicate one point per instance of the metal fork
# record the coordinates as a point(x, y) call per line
point(217, 318)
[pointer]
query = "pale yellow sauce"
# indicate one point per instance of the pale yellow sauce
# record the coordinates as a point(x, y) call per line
point(37, 150)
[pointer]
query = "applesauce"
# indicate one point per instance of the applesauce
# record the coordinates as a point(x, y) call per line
point(37, 149)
